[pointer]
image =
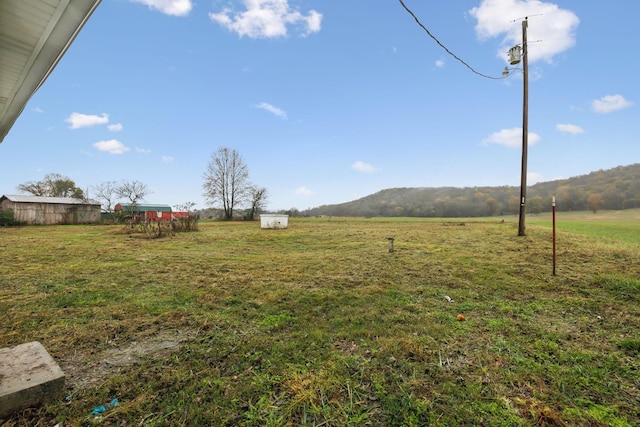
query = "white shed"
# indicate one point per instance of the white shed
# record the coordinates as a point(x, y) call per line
point(274, 221)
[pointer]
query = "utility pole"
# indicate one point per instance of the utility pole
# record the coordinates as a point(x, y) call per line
point(525, 128)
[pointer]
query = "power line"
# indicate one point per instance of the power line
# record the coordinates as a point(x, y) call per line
point(444, 47)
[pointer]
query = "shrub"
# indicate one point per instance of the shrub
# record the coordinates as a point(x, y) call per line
point(160, 229)
point(7, 218)
point(188, 223)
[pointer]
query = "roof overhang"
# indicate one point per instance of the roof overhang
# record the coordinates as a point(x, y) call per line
point(34, 35)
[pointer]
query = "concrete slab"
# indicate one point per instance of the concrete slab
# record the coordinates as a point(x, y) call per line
point(28, 377)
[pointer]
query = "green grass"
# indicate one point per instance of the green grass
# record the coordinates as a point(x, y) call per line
point(614, 226)
point(320, 325)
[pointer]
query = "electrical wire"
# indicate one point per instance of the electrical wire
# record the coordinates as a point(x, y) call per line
point(445, 48)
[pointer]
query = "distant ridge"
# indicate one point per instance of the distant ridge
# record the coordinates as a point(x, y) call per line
point(616, 188)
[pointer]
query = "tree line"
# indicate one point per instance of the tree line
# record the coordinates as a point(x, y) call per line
point(615, 189)
point(226, 188)
point(229, 193)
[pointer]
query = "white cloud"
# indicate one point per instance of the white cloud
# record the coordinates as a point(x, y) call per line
point(38, 110)
point(116, 127)
point(143, 150)
point(553, 26)
point(568, 128)
point(363, 167)
point(610, 103)
point(533, 177)
point(78, 120)
point(273, 110)
point(511, 138)
point(111, 146)
point(168, 7)
point(440, 63)
point(267, 19)
point(304, 191)
point(167, 159)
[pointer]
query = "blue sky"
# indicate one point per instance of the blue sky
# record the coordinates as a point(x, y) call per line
point(330, 101)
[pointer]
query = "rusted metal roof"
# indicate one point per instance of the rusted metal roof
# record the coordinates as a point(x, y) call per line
point(34, 35)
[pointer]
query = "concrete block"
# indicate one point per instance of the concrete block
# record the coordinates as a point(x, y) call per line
point(28, 377)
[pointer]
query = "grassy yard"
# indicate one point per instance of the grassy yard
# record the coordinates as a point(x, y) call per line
point(613, 226)
point(320, 325)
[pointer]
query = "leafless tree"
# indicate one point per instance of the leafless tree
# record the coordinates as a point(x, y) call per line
point(34, 188)
point(226, 181)
point(258, 197)
point(184, 207)
point(106, 194)
point(133, 191)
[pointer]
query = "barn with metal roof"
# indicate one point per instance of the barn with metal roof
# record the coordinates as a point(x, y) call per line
point(149, 212)
point(34, 210)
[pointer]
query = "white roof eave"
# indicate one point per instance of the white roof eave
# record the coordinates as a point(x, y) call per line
point(34, 35)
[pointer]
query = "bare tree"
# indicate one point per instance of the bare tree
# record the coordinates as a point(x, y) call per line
point(34, 188)
point(53, 185)
point(258, 197)
point(184, 207)
point(132, 191)
point(226, 181)
point(106, 194)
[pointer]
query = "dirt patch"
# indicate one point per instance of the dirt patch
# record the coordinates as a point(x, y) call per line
point(85, 371)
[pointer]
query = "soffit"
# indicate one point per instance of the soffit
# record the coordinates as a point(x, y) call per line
point(34, 35)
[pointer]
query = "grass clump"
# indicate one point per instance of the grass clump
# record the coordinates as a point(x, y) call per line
point(320, 324)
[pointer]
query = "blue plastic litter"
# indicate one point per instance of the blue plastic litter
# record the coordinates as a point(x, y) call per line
point(98, 410)
point(104, 408)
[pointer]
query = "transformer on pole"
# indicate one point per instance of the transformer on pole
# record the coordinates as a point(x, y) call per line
point(516, 54)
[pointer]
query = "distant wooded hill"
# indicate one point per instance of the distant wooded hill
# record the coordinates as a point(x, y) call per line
point(617, 188)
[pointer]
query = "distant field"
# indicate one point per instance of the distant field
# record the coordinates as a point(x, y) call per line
point(622, 226)
point(320, 325)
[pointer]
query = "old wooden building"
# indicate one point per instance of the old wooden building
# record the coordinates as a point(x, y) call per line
point(51, 210)
point(148, 212)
